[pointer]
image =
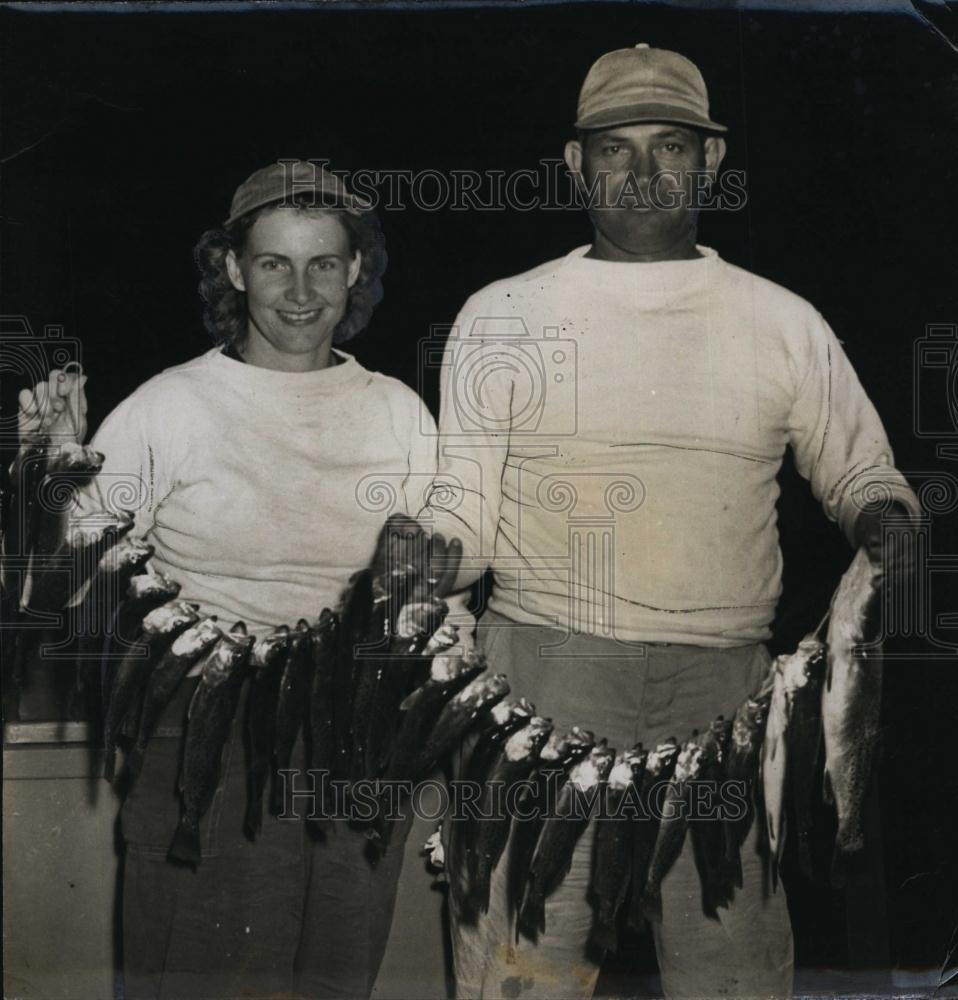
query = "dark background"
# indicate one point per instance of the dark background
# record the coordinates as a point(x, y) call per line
point(125, 135)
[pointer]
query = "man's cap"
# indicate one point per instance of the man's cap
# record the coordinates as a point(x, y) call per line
point(644, 85)
point(281, 181)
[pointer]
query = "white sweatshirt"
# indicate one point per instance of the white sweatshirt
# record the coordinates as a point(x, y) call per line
point(263, 491)
point(611, 434)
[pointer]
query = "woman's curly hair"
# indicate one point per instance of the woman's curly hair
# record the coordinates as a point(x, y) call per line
point(224, 312)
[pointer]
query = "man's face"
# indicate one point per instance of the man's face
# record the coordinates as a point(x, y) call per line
point(296, 271)
point(642, 183)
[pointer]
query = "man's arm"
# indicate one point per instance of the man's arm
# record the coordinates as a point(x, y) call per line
point(841, 447)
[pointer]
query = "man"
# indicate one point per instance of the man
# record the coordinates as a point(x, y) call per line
point(612, 424)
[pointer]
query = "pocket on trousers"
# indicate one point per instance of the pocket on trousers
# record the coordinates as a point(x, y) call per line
point(152, 809)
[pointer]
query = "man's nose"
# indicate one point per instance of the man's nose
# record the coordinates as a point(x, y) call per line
point(299, 289)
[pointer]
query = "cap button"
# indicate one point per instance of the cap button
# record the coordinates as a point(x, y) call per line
point(642, 45)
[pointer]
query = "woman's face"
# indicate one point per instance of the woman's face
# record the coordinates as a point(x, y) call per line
point(296, 271)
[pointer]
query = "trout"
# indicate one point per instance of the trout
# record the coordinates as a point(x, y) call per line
point(560, 834)
point(208, 725)
point(851, 701)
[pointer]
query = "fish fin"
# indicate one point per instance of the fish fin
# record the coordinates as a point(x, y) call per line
point(410, 700)
point(186, 844)
point(109, 764)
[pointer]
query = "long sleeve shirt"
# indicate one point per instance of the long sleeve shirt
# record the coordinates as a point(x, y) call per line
point(263, 491)
point(610, 436)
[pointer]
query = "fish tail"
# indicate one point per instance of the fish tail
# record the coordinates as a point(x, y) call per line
point(254, 817)
point(134, 760)
point(532, 916)
point(605, 936)
point(828, 793)
point(186, 843)
point(652, 903)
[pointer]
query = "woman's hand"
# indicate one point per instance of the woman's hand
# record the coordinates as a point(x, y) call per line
point(55, 408)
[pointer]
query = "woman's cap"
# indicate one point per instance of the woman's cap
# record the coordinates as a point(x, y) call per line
point(286, 179)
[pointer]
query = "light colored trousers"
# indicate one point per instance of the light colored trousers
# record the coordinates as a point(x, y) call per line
point(626, 696)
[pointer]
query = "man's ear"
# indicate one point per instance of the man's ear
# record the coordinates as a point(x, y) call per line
point(234, 272)
point(355, 265)
point(714, 147)
point(573, 157)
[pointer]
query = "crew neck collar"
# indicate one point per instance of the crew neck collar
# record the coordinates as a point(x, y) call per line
point(650, 276)
point(347, 369)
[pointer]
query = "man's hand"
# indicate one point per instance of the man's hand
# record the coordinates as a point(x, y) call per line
point(897, 560)
point(55, 408)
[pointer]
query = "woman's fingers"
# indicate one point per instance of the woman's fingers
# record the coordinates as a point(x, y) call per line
point(55, 407)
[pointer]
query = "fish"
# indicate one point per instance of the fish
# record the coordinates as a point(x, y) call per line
point(143, 593)
point(497, 723)
point(94, 617)
point(20, 523)
point(556, 758)
point(615, 846)
point(160, 627)
point(456, 718)
point(75, 560)
point(708, 843)
point(492, 729)
point(804, 742)
point(851, 702)
point(187, 649)
point(267, 660)
point(673, 825)
point(560, 834)
point(292, 703)
point(518, 755)
point(659, 767)
point(449, 673)
point(71, 466)
point(209, 719)
point(773, 771)
point(323, 648)
point(355, 613)
point(741, 767)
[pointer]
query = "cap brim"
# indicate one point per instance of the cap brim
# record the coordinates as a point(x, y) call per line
point(350, 203)
point(641, 113)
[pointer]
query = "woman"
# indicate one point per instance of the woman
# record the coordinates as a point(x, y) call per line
point(249, 469)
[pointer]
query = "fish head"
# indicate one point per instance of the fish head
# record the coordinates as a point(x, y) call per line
point(80, 458)
point(152, 585)
point(170, 616)
point(593, 768)
point(555, 748)
point(636, 758)
point(688, 762)
point(525, 743)
point(97, 528)
point(197, 639)
point(268, 647)
point(482, 690)
point(621, 773)
point(444, 637)
point(127, 554)
point(661, 757)
point(420, 618)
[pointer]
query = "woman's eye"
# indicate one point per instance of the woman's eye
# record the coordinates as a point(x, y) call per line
point(271, 265)
point(325, 265)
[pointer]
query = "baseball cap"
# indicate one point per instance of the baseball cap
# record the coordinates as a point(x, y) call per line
point(644, 85)
point(282, 180)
